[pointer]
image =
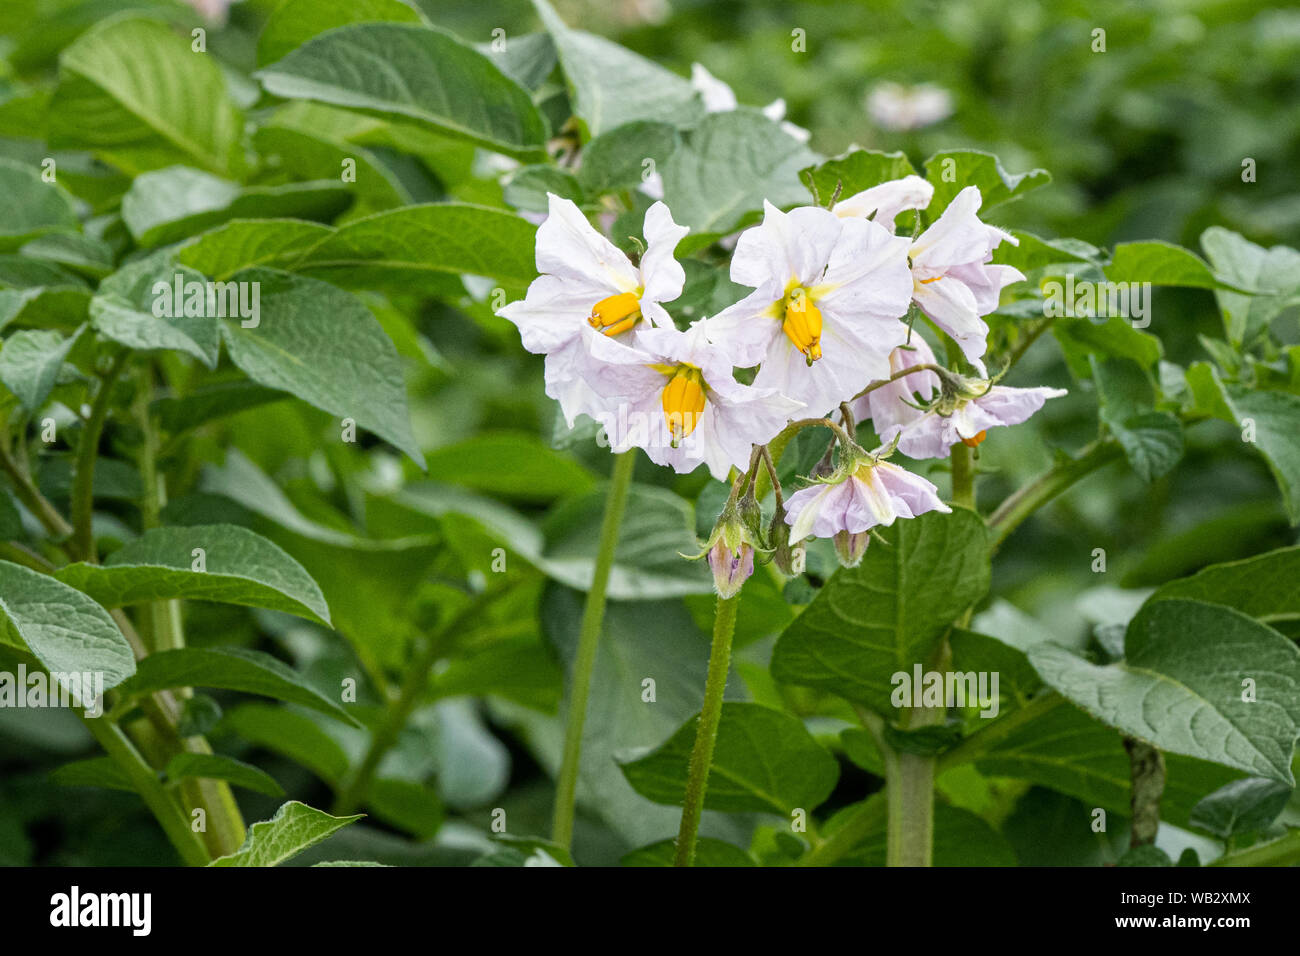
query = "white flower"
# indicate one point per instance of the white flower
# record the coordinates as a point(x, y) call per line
point(824, 314)
point(720, 98)
point(953, 281)
point(871, 493)
point(897, 107)
point(675, 395)
point(895, 404)
point(987, 406)
point(214, 11)
point(588, 291)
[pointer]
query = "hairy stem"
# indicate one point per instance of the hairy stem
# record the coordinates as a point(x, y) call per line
point(593, 618)
point(706, 733)
point(83, 479)
point(36, 503)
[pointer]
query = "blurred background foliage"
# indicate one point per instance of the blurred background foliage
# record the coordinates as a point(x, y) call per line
point(1145, 140)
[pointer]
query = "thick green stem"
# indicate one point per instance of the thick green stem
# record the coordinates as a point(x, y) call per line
point(1023, 503)
point(963, 476)
point(593, 618)
point(706, 733)
point(145, 781)
point(83, 478)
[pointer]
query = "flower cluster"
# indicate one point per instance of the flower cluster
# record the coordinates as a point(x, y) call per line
point(827, 329)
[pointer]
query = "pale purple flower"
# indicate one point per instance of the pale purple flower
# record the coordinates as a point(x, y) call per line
point(895, 404)
point(990, 406)
point(873, 493)
point(731, 568)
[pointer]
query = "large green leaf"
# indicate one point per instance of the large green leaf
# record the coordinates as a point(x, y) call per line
point(617, 159)
point(853, 172)
point(612, 85)
point(421, 247)
point(174, 203)
point(887, 614)
point(66, 631)
point(134, 92)
point(294, 22)
point(239, 567)
point(1162, 263)
point(764, 761)
point(124, 309)
point(30, 361)
point(1184, 686)
point(245, 243)
point(218, 767)
point(511, 465)
point(291, 734)
point(412, 73)
point(731, 162)
point(30, 207)
point(229, 668)
point(322, 345)
point(953, 170)
point(294, 828)
point(1274, 419)
point(1266, 587)
point(1274, 272)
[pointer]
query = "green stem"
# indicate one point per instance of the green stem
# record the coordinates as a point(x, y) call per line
point(36, 503)
point(593, 617)
point(145, 781)
point(1028, 499)
point(963, 476)
point(706, 733)
point(83, 480)
point(980, 743)
point(858, 824)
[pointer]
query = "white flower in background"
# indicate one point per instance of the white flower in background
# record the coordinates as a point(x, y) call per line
point(675, 396)
point(590, 291)
point(967, 417)
point(895, 404)
point(825, 312)
point(894, 106)
point(720, 98)
point(214, 11)
point(866, 493)
point(954, 282)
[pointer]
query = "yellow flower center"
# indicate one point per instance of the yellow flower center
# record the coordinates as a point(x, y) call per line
point(616, 314)
point(801, 321)
point(683, 398)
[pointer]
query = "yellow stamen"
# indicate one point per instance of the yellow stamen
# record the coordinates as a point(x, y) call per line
point(683, 400)
point(974, 440)
point(802, 323)
point(616, 314)
point(928, 281)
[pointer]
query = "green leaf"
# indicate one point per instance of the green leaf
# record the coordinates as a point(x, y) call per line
point(407, 805)
point(420, 247)
point(85, 254)
point(1272, 419)
point(529, 59)
point(527, 187)
point(239, 567)
point(1114, 337)
point(30, 362)
point(612, 85)
point(708, 852)
point(511, 465)
point(1274, 272)
point(616, 160)
point(412, 73)
point(65, 630)
point(1161, 263)
point(294, 828)
point(29, 206)
point(322, 345)
point(292, 735)
point(764, 761)
point(878, 619)
point(1243, 806)
point(1263, 587)
point(229, 668)
point(244, 243)
point(1152, 441)
point(960, 839)
point(218, 767)
point(123, 309)
point(208, 402)
point(95, 772)
point(294, 22)
point(1182, 683)
point(171, 204)
point(655, 533)
point(953, 170)
point(730, 163)
point(852, 172)
point(134, 93)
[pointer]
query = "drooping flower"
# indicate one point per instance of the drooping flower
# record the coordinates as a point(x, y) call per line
point(954, 282)
point(864, 493)
point(895, 404)
point(675, 395)
point(824, 314)
point(590, 290)
point(894, 106)
point(966, 416)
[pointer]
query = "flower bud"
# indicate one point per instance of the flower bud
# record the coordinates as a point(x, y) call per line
point(778, 535)
point(730, 568)
point(850, 547)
